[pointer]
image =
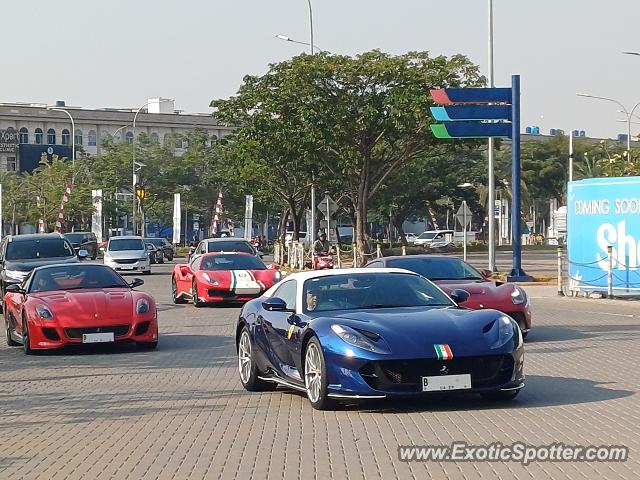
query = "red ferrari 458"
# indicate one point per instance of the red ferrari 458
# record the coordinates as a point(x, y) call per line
point(222, 277)
point(59, 305)
point(451, 273)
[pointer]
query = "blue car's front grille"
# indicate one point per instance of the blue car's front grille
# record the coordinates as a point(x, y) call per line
point(405, 375)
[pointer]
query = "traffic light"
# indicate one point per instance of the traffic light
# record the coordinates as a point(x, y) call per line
point(140, 193)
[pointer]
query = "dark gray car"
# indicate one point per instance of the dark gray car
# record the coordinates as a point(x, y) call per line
point(20, 254)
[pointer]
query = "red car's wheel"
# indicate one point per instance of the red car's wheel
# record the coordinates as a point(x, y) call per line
point(10, 341)
point(194, 295)
point(174, 292)
point(26, 340)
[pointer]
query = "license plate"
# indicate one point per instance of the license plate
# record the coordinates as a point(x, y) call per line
point(446, 382)
point(97, 337)
point(127, 267)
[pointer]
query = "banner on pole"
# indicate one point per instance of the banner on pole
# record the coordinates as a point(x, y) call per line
point(96, 215)
point(177, 218)
point(248, 217)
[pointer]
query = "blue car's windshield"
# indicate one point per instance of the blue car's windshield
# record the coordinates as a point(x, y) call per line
point(356, 291)
point(438, 268)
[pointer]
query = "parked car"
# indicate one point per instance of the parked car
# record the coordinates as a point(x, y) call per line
point(411, 238)
point(156, 255)
point(163, 244)
point(451, 274)
point(59, 305)
point(437, 237)
point(20, 254)
point(127, 254)
point(84, 240)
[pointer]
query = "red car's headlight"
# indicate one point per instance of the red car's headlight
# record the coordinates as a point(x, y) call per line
point(210, 280)
point(44, 312)
point(518, 297)
point(142, 306)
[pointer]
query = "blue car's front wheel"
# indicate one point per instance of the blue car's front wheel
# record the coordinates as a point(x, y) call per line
point(315, 376)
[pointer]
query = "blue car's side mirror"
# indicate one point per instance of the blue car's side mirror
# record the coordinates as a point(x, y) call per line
point(459, 296)
point(275, 304)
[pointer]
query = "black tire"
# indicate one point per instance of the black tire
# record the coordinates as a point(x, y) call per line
point(319, 398)
point(147, 345)
point(174, 292)
point(247, 368)
point(170, 257)
point(147, 272)
point(500, 395)
point(10, 341)
point(26, 341)
point(194, 296)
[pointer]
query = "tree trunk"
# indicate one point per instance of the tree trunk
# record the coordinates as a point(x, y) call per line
point(282, 225)
point(360, 244)
point(397, 222)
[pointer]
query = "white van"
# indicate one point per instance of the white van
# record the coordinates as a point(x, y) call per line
point(434, 237)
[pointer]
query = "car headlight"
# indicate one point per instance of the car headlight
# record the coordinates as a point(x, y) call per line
point(144, 256)
point(15, 274)
point(505, 331)
point(518, 296)
point(277, 276)
point(358, 339)
point(210, 280)
point(142, 306)
point(44, 312)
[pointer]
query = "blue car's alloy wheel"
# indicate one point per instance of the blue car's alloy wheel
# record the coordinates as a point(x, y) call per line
point(247, 367)
point(315, 376)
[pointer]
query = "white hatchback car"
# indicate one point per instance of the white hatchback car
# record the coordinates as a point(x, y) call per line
point(127, 254)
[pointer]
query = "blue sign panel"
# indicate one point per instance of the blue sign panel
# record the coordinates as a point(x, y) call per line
point(602, 213)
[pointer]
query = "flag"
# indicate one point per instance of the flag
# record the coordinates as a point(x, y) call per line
point(217, 215)
point(65, 199)
point(434, 222)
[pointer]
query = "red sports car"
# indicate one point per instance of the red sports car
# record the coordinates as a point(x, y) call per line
point(222, 277)
point(59, 305)
point(451, 273)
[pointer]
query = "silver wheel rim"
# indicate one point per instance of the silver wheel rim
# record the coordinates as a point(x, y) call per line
point(244, 357)
point(313, 372)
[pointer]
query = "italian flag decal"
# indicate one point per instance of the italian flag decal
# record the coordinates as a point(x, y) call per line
point(444, 351)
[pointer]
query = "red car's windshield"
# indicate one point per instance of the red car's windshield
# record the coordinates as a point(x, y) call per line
point(438, 268)
point(232, 262)
point(73, 277)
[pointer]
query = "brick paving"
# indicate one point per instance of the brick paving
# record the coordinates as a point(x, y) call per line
point(181, 413)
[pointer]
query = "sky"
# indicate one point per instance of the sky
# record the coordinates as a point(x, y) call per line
point(118, 53)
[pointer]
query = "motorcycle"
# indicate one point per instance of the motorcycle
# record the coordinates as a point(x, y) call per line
point(323, 261)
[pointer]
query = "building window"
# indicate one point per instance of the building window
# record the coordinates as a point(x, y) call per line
point(93, 139)
point(11, 164)
point(38, 136)
point(78, 137)
point(155, 138)
point(51, 137)
point(24, 135)
point(129, 137)
point(167, 139)
point(66, 137)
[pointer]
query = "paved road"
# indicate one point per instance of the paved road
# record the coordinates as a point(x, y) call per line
point(180, 412)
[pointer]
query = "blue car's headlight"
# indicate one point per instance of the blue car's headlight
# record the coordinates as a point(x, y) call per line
point(358, 339)
point(506, 330)
point(518, 296)
point(142, 306)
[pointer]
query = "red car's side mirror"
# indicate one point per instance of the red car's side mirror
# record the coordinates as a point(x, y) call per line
point(486, 273)
point(185, 270)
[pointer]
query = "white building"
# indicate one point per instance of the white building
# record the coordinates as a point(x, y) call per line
point(29, 130)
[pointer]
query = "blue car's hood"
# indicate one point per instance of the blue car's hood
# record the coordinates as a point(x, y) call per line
point(412, 332)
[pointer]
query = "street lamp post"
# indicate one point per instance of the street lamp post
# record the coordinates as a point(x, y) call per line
point(490, 153)
point(628, 114)
point(310, 26)
point(73, 138)
point(133, 164)
point(119, 130)
point(306, 44)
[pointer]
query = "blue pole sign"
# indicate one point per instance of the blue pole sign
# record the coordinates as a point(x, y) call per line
point(602, 213)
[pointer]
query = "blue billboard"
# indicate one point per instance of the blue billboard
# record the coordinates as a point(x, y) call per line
point(603, 213)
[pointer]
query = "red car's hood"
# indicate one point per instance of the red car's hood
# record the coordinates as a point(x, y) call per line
point(233, 278)
point(482, 293)
point(98, 307)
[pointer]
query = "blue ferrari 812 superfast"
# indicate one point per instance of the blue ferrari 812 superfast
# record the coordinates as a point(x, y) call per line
point(355, 334)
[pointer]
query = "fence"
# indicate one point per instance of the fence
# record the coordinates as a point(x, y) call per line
point(607, 276)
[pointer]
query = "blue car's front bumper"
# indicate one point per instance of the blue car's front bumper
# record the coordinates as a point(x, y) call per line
point(355, 373)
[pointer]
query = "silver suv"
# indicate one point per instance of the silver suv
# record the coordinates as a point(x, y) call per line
point(127, 254)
